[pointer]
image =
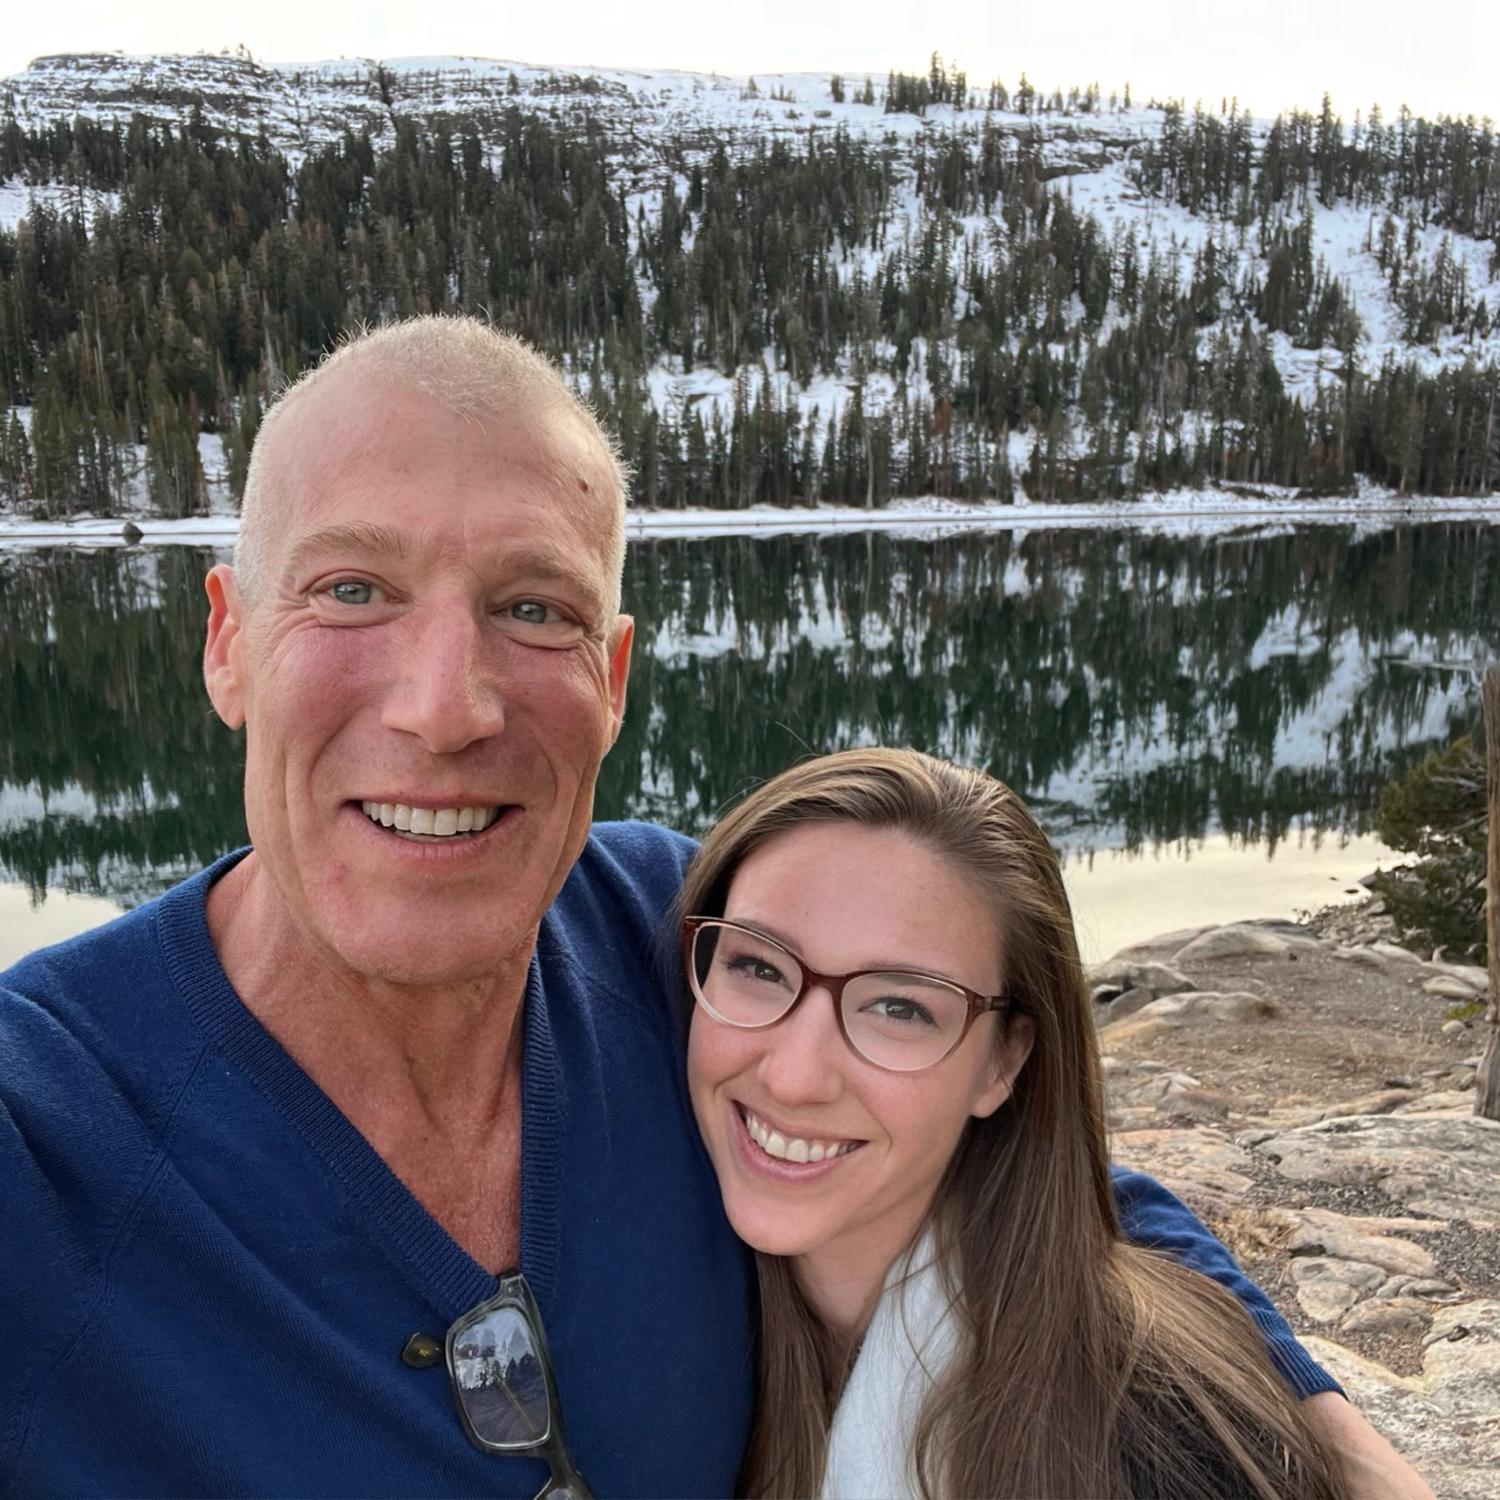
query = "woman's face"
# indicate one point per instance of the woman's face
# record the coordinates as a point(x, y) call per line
point(843, 898)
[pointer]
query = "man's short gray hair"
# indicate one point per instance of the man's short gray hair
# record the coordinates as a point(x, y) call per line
point(472, 369)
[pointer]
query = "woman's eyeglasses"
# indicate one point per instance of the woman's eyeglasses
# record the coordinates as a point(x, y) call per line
point(897, 1019)
point(503, 1385)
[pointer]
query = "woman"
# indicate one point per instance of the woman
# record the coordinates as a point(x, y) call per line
point(894, 1070)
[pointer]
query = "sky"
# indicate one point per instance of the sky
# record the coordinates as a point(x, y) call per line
point(1437, 57)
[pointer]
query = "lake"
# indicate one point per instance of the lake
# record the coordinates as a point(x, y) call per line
point(1203, 724)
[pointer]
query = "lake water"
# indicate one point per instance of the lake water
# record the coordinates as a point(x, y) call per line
point(1203, 724)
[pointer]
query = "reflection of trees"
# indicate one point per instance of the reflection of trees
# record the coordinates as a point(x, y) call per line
point(1146, 688)
point(1142, 688)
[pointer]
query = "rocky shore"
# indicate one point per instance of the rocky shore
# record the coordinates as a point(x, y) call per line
point(1308, 1089)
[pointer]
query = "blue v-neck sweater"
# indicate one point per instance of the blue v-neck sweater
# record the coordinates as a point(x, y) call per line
point(207, 1275)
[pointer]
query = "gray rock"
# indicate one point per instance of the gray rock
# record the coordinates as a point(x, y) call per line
point(1327, 1288)
point(1446, 987)
point(1395, 955)
point(1126, 1005)
point(1370, 1104)
point(1454, 1027)
point(1476, 978)
point(1236, 941)
point(1443, 1419)
point(1446, 1165)
point(1162, 979)
point(1320, 1232)
point(1359, 955)
point(1234, 1005)
point(1398, 1315)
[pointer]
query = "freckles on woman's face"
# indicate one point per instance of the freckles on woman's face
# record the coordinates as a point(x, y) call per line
point(818, 1150)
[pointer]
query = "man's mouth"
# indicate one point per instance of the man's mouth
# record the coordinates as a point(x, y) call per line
point(430, 822)
point(792, 1148)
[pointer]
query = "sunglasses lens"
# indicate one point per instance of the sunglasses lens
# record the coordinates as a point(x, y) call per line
point(497, 1368)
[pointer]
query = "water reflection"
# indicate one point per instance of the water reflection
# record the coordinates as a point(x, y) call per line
point(1143, 690)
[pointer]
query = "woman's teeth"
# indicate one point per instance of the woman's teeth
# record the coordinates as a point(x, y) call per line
point(435, 822)
point(773, 1143)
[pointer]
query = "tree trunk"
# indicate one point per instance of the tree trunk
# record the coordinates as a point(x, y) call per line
point(1487, 1090)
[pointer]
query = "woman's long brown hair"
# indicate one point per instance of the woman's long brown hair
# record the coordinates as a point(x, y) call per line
point(1087, 1366)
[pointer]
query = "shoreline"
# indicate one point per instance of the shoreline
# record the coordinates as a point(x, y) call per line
point(1184, 512)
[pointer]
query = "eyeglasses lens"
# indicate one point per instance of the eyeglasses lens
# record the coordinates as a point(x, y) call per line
point(743, 979)
point(903, 1021)
point(498, 1371)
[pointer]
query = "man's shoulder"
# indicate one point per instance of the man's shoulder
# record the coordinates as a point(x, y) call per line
point(641, 863)
point(107, 994)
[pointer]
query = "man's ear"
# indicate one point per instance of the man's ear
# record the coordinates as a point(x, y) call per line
point(1006, 1061)
point(619, 671)
point(224, 646)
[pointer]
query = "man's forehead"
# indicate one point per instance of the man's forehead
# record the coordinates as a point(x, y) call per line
point(364, 444)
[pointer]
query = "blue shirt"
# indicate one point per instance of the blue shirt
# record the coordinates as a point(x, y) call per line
point(208, 1275)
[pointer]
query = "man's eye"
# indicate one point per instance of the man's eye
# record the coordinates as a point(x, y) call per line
point(533, 612)
point(352, 591)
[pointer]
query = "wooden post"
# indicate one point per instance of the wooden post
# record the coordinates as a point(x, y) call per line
point(1487, 1089)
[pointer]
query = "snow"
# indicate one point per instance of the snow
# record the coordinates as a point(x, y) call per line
point(1173, 513)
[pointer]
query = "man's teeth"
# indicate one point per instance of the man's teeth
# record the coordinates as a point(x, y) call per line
point(438, 822)
point(773, 1143)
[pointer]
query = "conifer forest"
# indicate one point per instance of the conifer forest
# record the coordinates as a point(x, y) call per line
point(900, 286)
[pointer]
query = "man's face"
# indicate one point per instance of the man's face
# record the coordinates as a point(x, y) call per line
point(429, 676)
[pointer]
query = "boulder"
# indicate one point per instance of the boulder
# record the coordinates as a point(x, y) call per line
point(1320, 1232)
point(1212, 1005)
point(1439, 1164)
point(1370, 1104)
point(1240, 940)
point(1327, 1287)
point(1446, 987)
point(1409, 1316)
point(1442, 1420)
point(1210, 1174)
point(1395, 955)
point(1126, 1005)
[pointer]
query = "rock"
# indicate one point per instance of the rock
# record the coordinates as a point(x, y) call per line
point(1370, 1104)
point(1395, 955)
point(1237, 941)
point(1320, 1232)
point(1161, 979)
point(1446, 987)
point(1102, 994)
point(1153, 948)
point(1390, 1315)
point(1442, 1420)
point(131, 532)
point(1452, 1100)
point(1445, 1165)
point(1126, 1005)
point(1327, 1288)
point(1476, 978)
point(1431, 1288)
point(1236, 1005)
point(1454, 1027)
point(1366, 956)
point(1209, 1173)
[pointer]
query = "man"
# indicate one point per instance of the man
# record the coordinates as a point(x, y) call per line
point(264, 1140)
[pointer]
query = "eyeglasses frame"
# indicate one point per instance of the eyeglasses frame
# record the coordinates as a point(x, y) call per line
point(834, 983)
point(513, 1291)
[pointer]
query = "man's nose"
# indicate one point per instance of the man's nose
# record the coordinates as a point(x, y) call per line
point(446, 692)
point(806, 1058)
